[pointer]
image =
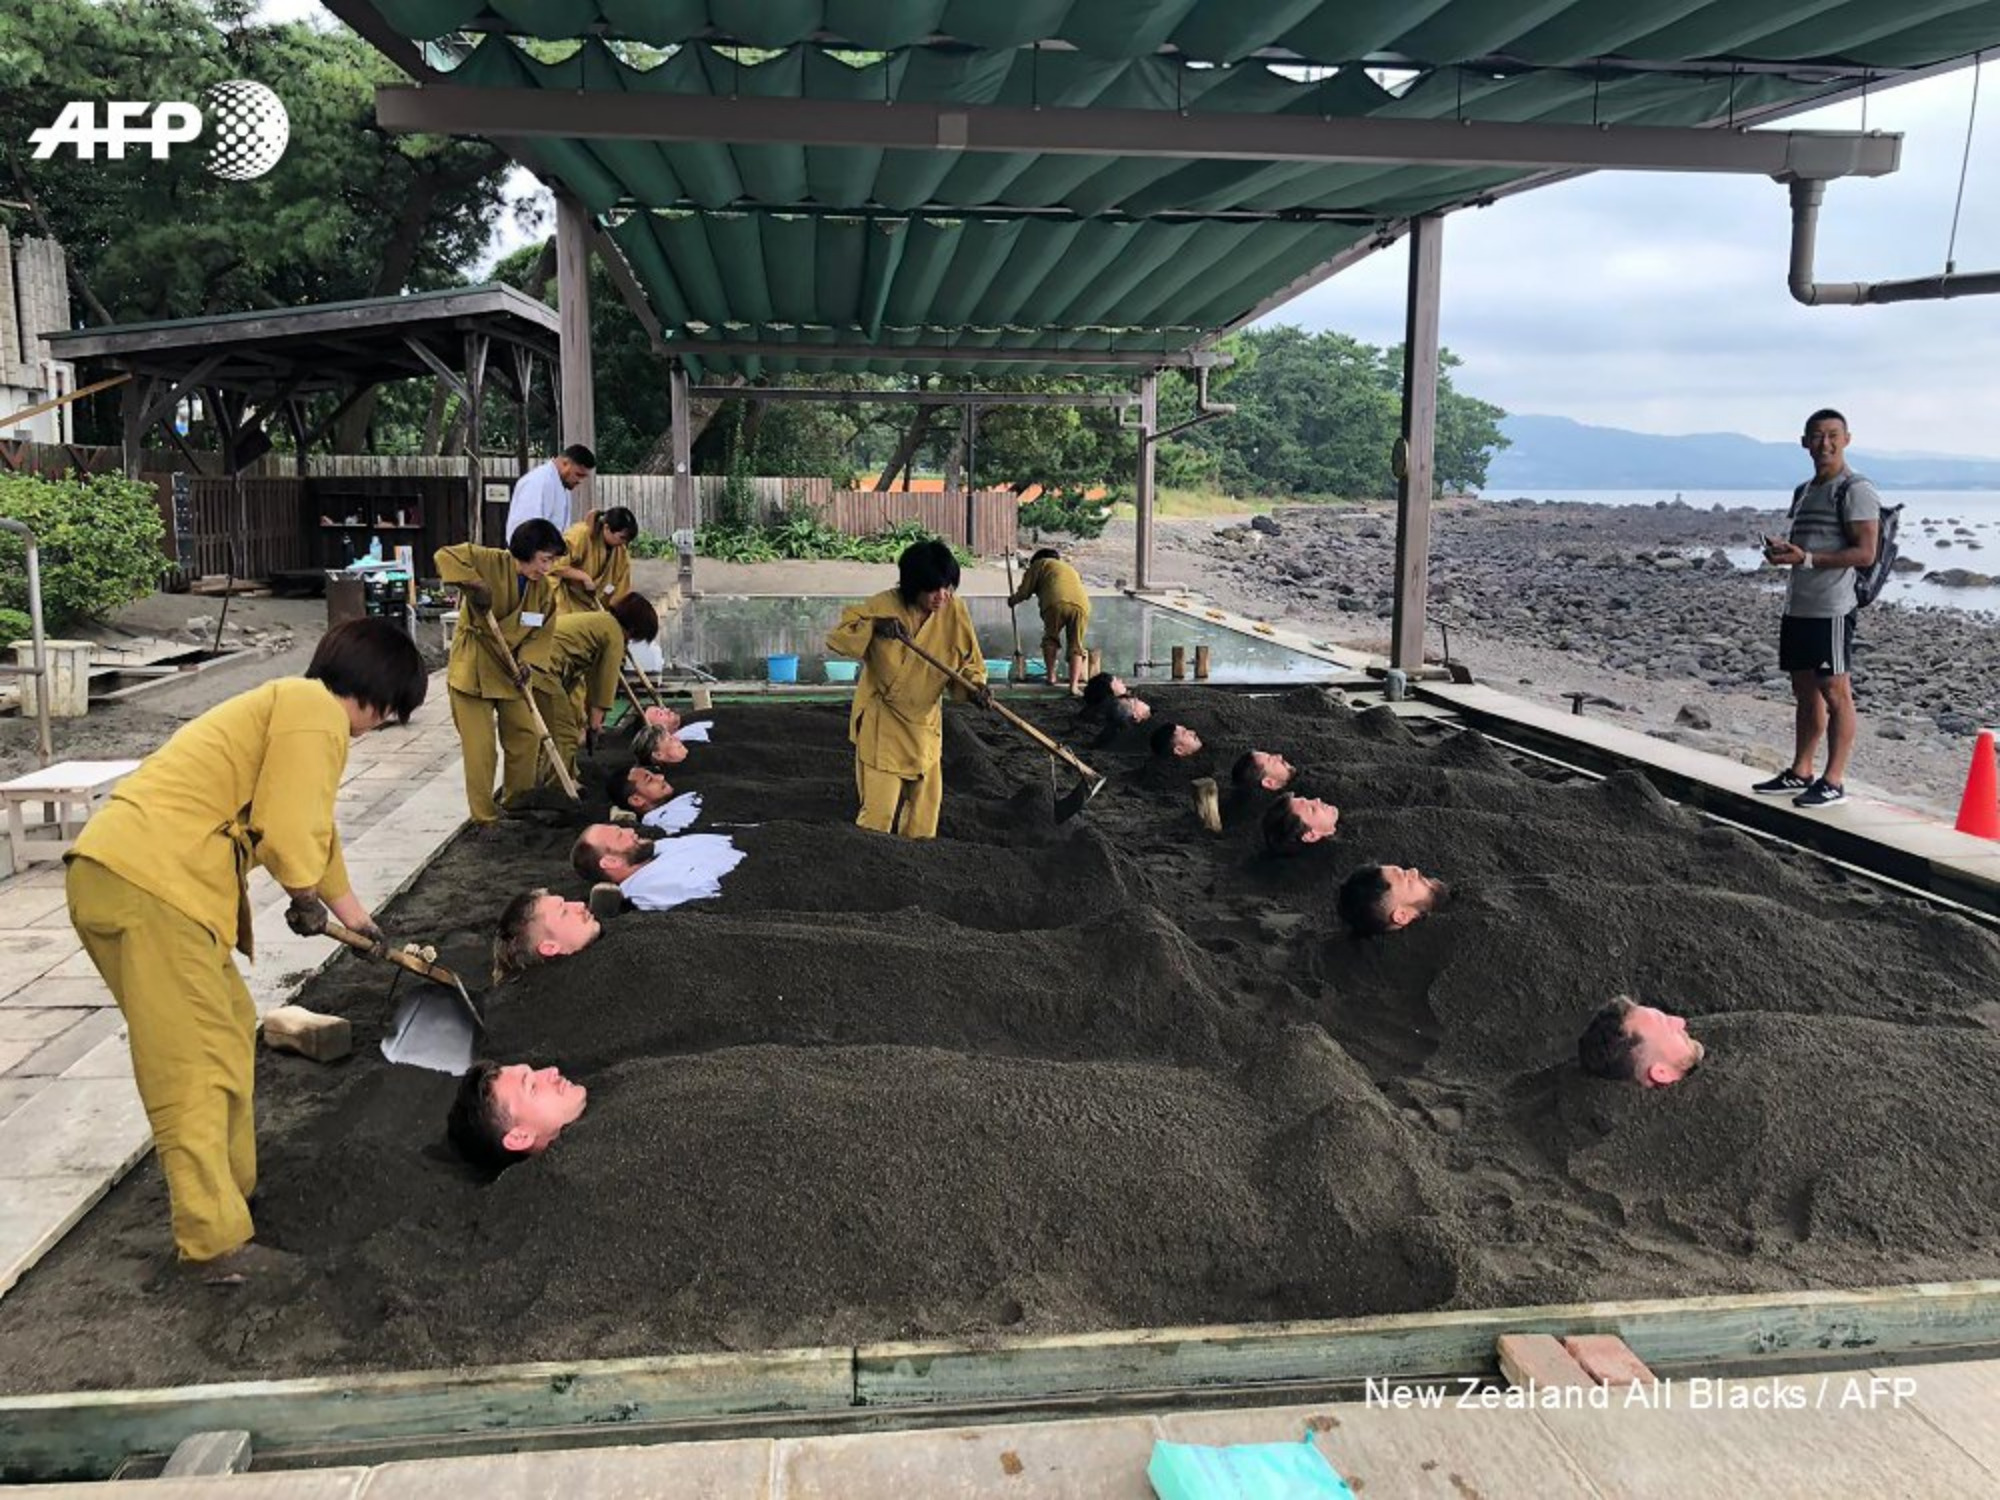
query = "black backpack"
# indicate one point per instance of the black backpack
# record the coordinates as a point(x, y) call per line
point(1868, 581)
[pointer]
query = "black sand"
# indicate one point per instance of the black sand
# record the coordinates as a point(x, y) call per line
point(1033, 1079)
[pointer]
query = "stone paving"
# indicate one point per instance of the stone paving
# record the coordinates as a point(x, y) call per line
point(70, 1120)
point(1848, 1432)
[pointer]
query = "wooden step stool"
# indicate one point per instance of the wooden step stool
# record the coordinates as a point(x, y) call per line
point(69, 792)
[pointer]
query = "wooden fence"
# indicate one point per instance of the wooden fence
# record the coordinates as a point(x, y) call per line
point(251, 535)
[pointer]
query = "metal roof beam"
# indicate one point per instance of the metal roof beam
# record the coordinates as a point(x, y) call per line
point(1360, 218)
point(911, 398)
point(453, 109)
point(944, 354)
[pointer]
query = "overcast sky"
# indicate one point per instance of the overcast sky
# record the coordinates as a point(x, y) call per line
point(1658, 302)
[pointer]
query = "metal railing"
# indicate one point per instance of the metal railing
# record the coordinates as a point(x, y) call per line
point(40, 670)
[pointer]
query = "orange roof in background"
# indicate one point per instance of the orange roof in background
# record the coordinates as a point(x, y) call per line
point(936, 487)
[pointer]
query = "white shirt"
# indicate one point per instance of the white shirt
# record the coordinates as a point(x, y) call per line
point(696, 733)
point(539, 492)
point(688, 868)
point(672, 817)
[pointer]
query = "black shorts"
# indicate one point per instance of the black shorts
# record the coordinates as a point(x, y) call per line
point(1821, 646)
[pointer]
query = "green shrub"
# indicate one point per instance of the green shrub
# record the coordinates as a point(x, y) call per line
point(1064, 511)
point(800, 535)
point(99, 540)
point(15, 626)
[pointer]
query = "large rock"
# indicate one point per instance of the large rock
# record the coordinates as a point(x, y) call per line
point(1693, 717)
point(1906, 565)
point(1265, 524)
point(1959, 578)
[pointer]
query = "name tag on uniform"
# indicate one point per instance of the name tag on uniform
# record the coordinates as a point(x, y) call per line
point(532, 618)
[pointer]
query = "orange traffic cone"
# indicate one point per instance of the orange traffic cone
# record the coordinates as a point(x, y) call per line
point(1979, 813)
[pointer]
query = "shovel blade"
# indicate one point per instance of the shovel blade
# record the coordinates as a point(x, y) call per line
point(433, 1028)
point(1072, 803)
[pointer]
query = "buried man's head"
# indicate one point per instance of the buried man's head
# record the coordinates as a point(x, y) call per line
point(1381, 898)
point(538, 925)
point(1292, 822)
point(1101, 689)
point(606, 851)
point(505, 1114)
point(1176, 741)
point(639, 787)
point(1632, 1043)
point(1263, 768)
point(1127, 712)
point(657, 746)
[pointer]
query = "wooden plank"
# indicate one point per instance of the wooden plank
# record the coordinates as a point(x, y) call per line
point(87, 1434)
point(1774, 1329)
point(1961, 1400)
point(1419, 443)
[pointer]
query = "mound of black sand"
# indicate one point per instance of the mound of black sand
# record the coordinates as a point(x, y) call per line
point(1032, 1077)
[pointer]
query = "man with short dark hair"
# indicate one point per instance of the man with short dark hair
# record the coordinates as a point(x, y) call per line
point(1627, 1042)
point(544, 490)
point(642, 790)
point(1293, 822)
point(1264, 769)
point(1174, 741)
point(1378, 899)
point(1065, 606)
point(1100, 691)
point(1835, 527)
point(505, 1114)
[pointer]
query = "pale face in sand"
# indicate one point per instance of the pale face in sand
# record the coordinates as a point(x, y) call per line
point(1411, 894)
point(1664, 1053)
point(537, 1104)
point(668, 751)
point(1274, 772)
point(620, 849)
point(1136, 710)
point(1322, 819)
point(664, 718)
point(1185, 742)
point(560, 928)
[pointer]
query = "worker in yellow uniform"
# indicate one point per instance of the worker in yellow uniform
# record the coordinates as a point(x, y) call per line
point(1065, 611)
point(897, 723)
point(584, 655)
point(513, 585)
point(158, 892)
point(598, 569)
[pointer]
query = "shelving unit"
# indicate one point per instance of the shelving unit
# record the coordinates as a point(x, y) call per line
point(348, 518)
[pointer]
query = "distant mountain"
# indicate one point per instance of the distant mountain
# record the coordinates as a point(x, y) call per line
point(1554, 453)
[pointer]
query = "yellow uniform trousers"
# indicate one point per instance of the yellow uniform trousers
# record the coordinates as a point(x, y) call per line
point(476, 720)
point(1059, 620)
point(193, 1032)
point(892, 803)
point(565, 713)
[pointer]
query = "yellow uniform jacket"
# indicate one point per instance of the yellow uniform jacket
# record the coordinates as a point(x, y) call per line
point(612, 565)
point(1055, 585)
point(252, 781)
point(897, 723)
point(587, 650)
point(475, 666)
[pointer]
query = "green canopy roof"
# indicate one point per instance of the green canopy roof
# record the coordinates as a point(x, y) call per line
point(1066, 254)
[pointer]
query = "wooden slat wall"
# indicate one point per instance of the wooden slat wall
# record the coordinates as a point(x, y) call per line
point(993, 515)
point(267, 522)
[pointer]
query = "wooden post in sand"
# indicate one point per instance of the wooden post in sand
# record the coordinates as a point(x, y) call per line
point(1180, 664)
point(1201, 664)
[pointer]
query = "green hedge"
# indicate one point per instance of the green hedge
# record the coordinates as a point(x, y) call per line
point(99, 540)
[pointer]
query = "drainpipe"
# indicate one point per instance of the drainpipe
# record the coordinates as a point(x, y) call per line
point(1806, 196)
point(1205, 410)
point(41, 667)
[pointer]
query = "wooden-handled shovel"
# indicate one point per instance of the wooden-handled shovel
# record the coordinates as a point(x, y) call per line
point(1017, 671)
point(1067, 806)
point(497, 643)
point(431, 1028)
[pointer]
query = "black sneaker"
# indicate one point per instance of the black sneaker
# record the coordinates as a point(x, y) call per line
point(1821, 793)
point(1784, 784)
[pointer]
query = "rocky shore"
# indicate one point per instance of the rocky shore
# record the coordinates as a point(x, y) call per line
point(1641, 608)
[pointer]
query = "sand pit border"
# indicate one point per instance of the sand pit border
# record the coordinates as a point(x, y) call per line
point(89, 1434)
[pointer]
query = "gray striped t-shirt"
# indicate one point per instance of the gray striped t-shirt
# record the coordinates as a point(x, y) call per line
point(1827, 593)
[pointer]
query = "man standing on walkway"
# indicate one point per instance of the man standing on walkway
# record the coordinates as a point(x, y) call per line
point(544, 490)
point(1835, 528)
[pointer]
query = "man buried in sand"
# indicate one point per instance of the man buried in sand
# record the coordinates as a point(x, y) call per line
point(1263, 769)
point(1377, 899)
point(505, 1114)
point(537, 926)
point(1127, 725)
point(1101, 692)
point(642, 790)
point(1176, 741)
point(1295, 822)
point(655, 876)
point(1632, 1043)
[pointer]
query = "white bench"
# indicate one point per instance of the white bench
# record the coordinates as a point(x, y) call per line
point(72, 786)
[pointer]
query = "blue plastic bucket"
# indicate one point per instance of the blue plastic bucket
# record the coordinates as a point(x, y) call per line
point(997, 667)
point(842, 671)
point(782, 668)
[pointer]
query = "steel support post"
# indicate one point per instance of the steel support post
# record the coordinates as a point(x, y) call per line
point(1142, 488)
point(1416, 467)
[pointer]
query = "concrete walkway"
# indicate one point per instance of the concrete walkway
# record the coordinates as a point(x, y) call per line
point(1914, 1431)
point(70, 1120)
